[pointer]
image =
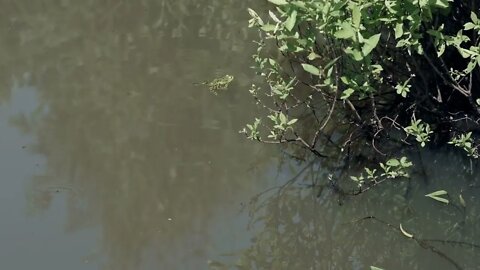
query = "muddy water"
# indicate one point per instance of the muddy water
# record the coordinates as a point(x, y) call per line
point(113, 159)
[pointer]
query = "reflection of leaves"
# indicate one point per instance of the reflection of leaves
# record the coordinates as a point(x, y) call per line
point(302, 231)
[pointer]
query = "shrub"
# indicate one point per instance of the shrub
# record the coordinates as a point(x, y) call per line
point(342, 74)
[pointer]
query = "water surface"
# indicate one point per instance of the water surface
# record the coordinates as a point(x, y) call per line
point(113, 159)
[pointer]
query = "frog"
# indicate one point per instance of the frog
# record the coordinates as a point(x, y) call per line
point(217, 84)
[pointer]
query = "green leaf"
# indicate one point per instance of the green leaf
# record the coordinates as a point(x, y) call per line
point(434, 195)
point(252, 13)
point(441, 49)
point(393, 162)
point(356, 54)
point(370, 44)
point(347, 93)
point(345, 32)
point(291, 122)
point(442, 3)
point(274, 17)
point(311, 69)
point(299, 4)
point(398, 30)
point(356, 16)
point(290, 22)
point(464, 52)
point(278, 2)
point(331, 63)
point(255, 16)
point(439, 199)
point(468, 26)
point(423, 3)
point(283, 118)
point(375, 268)
point(390, 5)
point(474, 17)
point(313, 56)
point(462, 201)
point(403, 43)
point(438, 193)
point(409, 235)
point(268, 27)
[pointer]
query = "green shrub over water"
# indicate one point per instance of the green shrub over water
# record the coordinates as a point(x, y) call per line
point(342, 74)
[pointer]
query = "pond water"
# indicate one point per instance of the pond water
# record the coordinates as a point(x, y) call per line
point(113, 159)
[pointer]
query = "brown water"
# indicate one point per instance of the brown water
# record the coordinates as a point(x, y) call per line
point(113, 159)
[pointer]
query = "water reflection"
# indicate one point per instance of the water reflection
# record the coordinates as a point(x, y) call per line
point(153, 167)
point(129, 142)
point(300, 227)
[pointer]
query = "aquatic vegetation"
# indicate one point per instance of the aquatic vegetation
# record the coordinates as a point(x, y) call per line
point(363, 79)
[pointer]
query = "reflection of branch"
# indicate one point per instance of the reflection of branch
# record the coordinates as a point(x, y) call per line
point(452, 82)
point(254, 199)
point(295, 178)
point(286, 184)
point(422, 243)
point(453, 242)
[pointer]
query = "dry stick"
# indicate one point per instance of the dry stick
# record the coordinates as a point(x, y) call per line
point(337, 82)
point(394, 123)
point(422, 243)
point(308, 146)
point(325, 120)
point(353, 109)
point(452, 82)
point(379, 124)
point(373, 143)
point(317, 133)
point(330, 111)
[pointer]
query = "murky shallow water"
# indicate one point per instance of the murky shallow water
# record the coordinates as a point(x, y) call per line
point(113, 159)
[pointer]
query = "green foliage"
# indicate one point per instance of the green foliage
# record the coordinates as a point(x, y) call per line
point(281, 123)
point(253, 132)
point(465, 142)
point(436, 196)
point(323, 67)
point(420, 130)
point(393, 168)
point(396, 168)
point(403, 89)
